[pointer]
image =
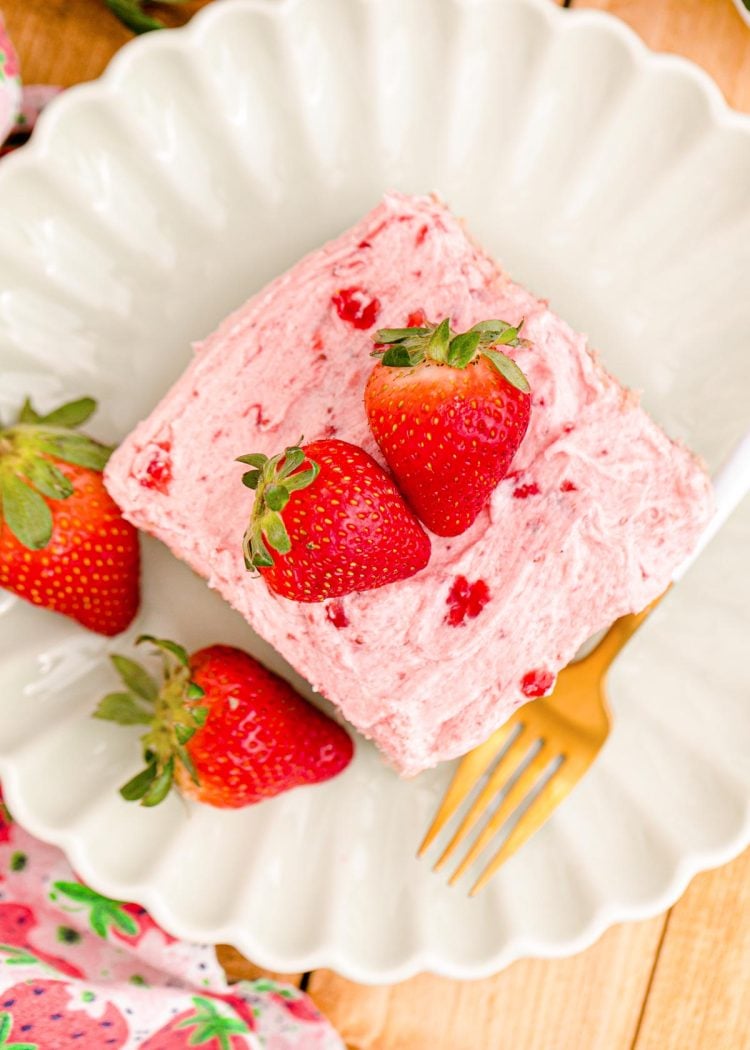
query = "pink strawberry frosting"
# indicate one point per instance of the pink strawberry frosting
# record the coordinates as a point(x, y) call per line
point(600, 510)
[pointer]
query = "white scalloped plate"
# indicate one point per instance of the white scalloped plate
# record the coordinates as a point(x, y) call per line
point(206, 161)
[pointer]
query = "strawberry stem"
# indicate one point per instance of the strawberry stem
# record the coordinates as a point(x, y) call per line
point(168, 710)
point(274, 480)
point(407, 347)
point(28, 473)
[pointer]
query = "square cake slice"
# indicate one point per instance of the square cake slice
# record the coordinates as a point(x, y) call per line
point(601, 506)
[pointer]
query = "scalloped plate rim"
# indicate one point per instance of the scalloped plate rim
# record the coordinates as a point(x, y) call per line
point(516, 947)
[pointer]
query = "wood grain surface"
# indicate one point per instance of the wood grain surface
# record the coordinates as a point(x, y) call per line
point(680, 981)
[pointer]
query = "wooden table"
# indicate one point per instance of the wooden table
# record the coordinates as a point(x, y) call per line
point(677, 982)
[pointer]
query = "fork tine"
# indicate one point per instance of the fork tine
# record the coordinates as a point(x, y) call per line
point(516, 795)
point(502, 772)
point(539, 811)
point(471, 769)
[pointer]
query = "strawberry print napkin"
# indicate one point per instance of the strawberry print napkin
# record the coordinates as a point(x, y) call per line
point(80, 970)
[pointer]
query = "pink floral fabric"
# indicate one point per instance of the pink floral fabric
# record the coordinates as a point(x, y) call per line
point(33, 100)
point(19, 107)
point(79, 971)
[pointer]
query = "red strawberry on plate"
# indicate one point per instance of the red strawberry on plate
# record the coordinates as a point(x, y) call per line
point(225, 729)
point(335, 520)
point(64, 544)
point(51, 1014)
point(448, 412)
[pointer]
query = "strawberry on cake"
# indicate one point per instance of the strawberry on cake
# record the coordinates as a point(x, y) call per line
point(598, 509)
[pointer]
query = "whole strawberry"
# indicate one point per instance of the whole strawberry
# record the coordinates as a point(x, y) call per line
point(448, 412)
point(64, 544)
point(335, 520)
point(227, 731)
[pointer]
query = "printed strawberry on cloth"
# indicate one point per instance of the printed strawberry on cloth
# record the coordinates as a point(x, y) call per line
point(78, 970)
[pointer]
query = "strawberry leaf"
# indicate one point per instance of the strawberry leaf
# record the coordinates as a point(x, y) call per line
point(410, 346)
point(491, 328)
point(159, 788)
point(184, 733)
point(194, 691)
point(135, 677)
point(278, 478)
point(187, 762)
point(26, 514)
point(462, 349)
point(257, 554)
point(138, 786)
point(397, 335)
point(78, 449)
point(277, 497)
point(276, 534)
point(124, 709)
point(200, 714)
point(70, 415)
point(293, 457)
point(253, 459)
point(396, 357)
point(437, 347)
point(47, 479)
point(302, 479)
point(28, 414)
point(251, 478)
point(167, 646)
point(131, 15)
point(508, 369)
point(509, 337)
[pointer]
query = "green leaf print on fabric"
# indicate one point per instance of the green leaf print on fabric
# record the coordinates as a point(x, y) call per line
point(104, 914)
point(6, 1027)
point(209, 1024)
point(18, 861)
point(19, 957)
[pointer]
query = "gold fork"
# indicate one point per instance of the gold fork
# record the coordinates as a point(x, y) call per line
point(569, 726)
